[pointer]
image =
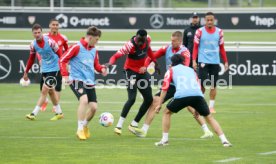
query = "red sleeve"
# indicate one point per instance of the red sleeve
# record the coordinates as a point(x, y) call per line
point(223, 53)
point(123, 51)
point(65, 58)
point(38, 56)
point(156, 55)
point(115, 57)
point(97, 64)
point(30, 62)
point(161, 52)
point(31, 58)
point(195, 51)
point(196, 43)
point(150, 57)
point(167, 80)
point(187, 56)
point(65, 45)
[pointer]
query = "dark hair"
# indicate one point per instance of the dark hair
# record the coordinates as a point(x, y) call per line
point(36, 26)
point(177, 59)
point(209, 13)
point(94, 31)
point(142, 32)
point(53, 20)
point(177, 34)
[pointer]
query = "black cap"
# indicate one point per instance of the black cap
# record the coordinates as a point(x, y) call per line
point(194, 15)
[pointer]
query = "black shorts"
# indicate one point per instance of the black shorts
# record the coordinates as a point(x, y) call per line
point(208, 74)
point(80, 89)
point(197, 102)
point(51, 79)
point(170, 93)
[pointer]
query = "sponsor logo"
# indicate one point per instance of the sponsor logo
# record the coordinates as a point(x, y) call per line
point(132, 20)
point(76, 21)
point(235, 21)
point(5, 66)
point(31, 19)
point(8, 20)
point(156, 21)
point(171, 21)
point(268, 22)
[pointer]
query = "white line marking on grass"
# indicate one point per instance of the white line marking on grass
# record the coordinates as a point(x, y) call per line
point(267, 153)
point(228, 160)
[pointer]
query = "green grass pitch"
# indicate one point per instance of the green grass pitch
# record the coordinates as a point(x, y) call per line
point(247, 115)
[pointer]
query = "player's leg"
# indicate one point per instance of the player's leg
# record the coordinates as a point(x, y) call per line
point(132, 92)
point(214, 74)
point(201, 107)
point(174, 106)
point(200, 120)
point(58, 89)
point(144, 87)
point(41, 100)
point(44, 105)
point(92, 108)
point(203, 75)
point(151, 112)
point(53, 81)
point(78, 90)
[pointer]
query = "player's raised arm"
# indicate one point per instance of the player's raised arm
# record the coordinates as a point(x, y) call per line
point(125, 50)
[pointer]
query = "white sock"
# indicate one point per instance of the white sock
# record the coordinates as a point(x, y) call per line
point(145, 128)
point(134, 123)
point(211, 103)
point(165, 137)
point(205, 128)
point(36, 110)
point(85, 122)
point(58, 109)
point(120, 122)
point(80, 125)
point(223, 138)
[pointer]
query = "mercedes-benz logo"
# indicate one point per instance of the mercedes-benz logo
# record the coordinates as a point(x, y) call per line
point(156, 21)
point(5, 66)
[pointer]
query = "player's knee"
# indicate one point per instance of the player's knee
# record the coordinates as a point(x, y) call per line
point(131, 100)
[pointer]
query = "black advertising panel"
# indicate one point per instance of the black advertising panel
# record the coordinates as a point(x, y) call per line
point(248, 21)
point(245, 68)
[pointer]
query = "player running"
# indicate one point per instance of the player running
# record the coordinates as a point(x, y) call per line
point(62, 42)
point(187, 93)
point(137, 50)
point(168, 51)
point(49, 51)
point(83, 60)
point(208, 46)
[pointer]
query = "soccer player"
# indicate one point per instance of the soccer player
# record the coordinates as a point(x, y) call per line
point(49, 51)
point(62, 42)
point(188, 93)
point(189, 33)
point(83, 60)
point(168, 51)
point(137, 50)
point(208, 47)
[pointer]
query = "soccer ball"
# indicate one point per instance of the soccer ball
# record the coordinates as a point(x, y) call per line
point(24, 83)
point(106, 119)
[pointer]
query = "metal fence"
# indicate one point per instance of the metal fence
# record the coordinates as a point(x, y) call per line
point(139, 3)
